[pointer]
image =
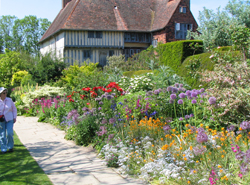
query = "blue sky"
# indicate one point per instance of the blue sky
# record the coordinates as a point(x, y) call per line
point(50, 8)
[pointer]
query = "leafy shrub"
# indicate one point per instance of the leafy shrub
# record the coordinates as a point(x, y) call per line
point(84, 132)
point(172, 54)
point(17, 77)
point(229, 84)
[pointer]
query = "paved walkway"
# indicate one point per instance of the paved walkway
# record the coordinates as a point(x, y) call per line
point(62, 160)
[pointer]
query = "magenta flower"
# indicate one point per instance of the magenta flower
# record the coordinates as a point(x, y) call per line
point(194, 101)
point(180, 101)
point(182, 95)
point(173, 96)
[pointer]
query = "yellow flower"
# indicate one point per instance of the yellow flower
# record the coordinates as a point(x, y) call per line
point(222, 156)
point(191, 148)
point(219, 166)
point(194, 171)
point(189, 182)
point(197, 161)
point(201, 125)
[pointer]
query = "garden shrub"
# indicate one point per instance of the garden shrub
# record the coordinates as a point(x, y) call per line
point(191, 67)
point(17, 77)
point(229, 84)
point(172, 54)
point(131, 74)
point(84, 132)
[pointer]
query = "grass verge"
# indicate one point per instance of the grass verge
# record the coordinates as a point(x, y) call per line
point(20, 168)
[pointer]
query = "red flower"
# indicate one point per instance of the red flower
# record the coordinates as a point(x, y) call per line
point(82, 96)
point(88, 103)
point(69, 96)
point(109, 90)
point(71, 100)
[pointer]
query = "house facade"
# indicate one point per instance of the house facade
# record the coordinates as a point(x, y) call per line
point(94, 29)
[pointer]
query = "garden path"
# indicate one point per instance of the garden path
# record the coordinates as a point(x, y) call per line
point(62, 160)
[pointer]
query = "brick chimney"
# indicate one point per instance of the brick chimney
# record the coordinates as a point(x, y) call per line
point(64, 3)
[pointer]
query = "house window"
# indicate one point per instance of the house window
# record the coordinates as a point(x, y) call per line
point(86, 54)
point(137, 37)
point(95, 34)
point(99, 34)
point(181, 30)
point(154, 43)
point(183, 9)
point(91, 34)
point(111, 53)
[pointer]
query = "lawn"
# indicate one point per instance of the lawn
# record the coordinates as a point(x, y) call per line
point(20, 168)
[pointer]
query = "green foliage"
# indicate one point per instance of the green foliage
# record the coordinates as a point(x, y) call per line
point(88, 75)
point(47, 69)
point(229, 84)
point(22, 34)
point(215, 29)
point(17, 77)
point(131, 74)
point(84, 132)
point(191, 67)
point(174, 53)
point(10, 63)
point(241, 40)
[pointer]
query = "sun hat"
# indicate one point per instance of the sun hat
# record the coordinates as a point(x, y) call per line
point(2, 89)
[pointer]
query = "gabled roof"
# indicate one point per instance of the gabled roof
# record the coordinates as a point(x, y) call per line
point(116, 15)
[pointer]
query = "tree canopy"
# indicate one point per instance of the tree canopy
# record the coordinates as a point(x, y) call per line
point(22, 34)
point(216, 28)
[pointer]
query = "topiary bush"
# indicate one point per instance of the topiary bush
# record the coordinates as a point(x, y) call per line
point(173, 54)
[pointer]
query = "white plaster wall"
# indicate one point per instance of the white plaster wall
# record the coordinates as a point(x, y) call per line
point(55, 45)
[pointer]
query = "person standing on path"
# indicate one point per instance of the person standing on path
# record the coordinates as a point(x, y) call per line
point(9, 112)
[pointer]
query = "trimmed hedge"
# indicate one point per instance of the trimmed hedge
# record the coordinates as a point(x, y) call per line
point(172, 54)
point(131, 74)
point(195, 63)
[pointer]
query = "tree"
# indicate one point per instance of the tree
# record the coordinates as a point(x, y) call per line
point(215, 29)
point(22, 34)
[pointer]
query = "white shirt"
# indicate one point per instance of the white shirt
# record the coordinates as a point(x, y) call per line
point(9, 108)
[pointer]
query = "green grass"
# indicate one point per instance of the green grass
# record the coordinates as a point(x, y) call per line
point(20, 168)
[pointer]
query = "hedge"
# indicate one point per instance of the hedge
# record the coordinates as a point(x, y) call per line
point(172, 54)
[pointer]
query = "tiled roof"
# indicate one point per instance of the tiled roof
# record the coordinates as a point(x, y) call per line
point(129, 15)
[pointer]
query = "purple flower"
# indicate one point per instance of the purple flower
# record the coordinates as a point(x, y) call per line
point(100, 103)
point(166, 128)
point(181, 85)
point(85, 109)
point(230, 128)
point(112, 120)
point(191, 115)
point(99, 108)
point(188, 93)
point(202, 137)
point(111, 136)
point(104, 121)
point(199, 150)
point(201, 130)
point(182, 95)
point(174, 90)
point(201, 101)
point(187, 117)
point(171, 101)
point(212, 100)
point(181, 119)
point(169, 88)
point(243, 168)
point(180, 101)
point(98, 99)
point(202, 90)
point(194, 101)
point(173, 96)
point(194, 94)
point(245, 125)
point(103, 131)
point(169, 119)
point(177, 85)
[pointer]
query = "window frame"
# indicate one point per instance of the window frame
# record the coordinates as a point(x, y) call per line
point(181, 30)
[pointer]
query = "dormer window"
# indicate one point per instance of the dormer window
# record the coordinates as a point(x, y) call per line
point(183, 9)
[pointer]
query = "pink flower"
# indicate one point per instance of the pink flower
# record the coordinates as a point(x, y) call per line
point(240, 175)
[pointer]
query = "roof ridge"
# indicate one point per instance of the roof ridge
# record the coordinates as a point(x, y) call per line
point(71, 11)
